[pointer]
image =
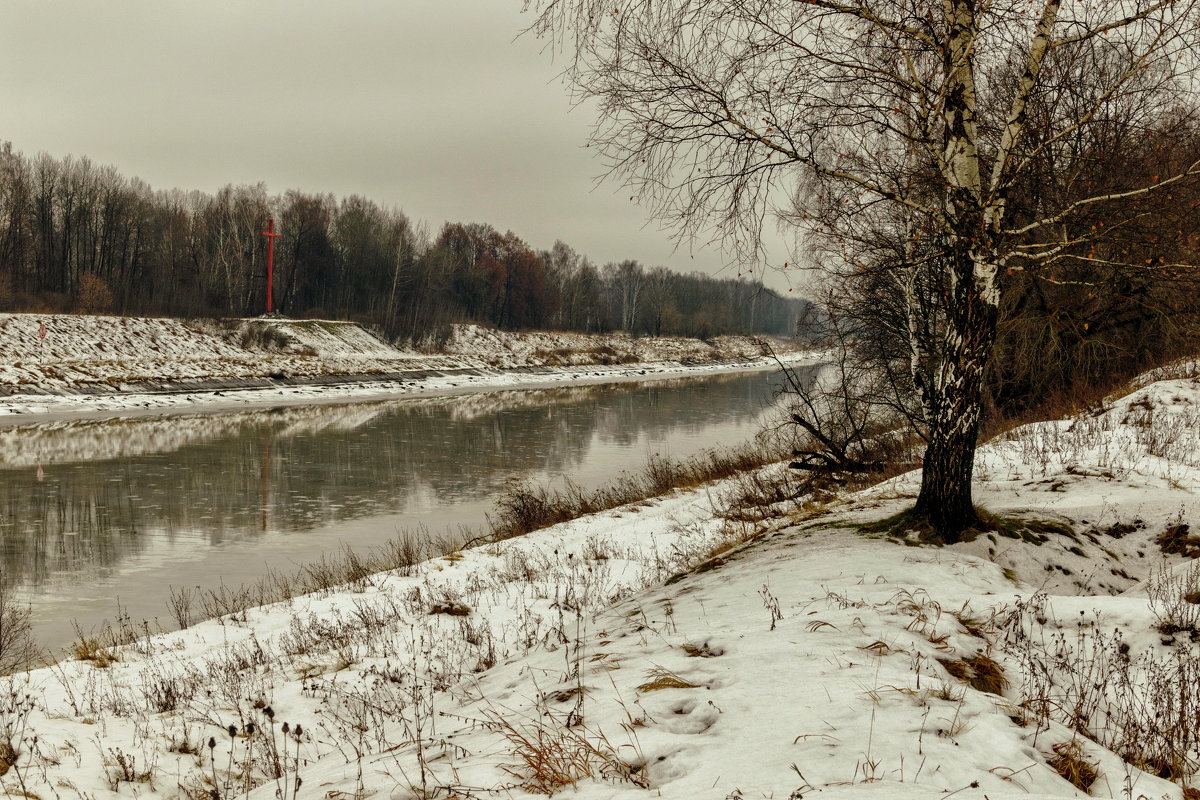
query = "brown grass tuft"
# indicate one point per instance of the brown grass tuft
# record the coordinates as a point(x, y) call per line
point(1179, 540)
point(663, 678)
point(1069, 762)
point(702, 650)
point(551, 756)
point(452, 609)
point(89, 649)
point(980, 672)
point(8, 757)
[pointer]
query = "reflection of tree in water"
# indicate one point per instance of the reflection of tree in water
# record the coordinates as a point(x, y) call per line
point(624, 419)
point(106, 488)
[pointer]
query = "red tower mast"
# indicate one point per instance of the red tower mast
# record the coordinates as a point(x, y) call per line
point(271, 237)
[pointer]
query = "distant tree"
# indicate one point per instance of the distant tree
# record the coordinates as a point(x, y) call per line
point(628, 282)
point(7, 296)
point(658, 304)
point(587, 292)
point(561, 264)
point(305, 254)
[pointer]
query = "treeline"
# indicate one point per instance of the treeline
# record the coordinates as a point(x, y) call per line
point(75, 236)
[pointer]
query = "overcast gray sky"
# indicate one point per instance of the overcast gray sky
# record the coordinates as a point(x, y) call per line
point(432, 106)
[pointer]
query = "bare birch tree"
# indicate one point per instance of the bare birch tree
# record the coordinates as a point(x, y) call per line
point(906, 117)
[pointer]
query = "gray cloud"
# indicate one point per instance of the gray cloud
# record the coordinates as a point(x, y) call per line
point(433, 106)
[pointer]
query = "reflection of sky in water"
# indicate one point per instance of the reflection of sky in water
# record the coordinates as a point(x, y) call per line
point(91, 510)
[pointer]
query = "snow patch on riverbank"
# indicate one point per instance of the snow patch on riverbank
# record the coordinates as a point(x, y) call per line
point(694, 646)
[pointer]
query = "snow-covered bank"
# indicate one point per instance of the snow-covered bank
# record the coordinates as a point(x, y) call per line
point(699, 645)
point(120, 364)
point(70, 353)
point(29, 409)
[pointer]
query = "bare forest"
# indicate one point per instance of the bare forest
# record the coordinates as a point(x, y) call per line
point(75, 236)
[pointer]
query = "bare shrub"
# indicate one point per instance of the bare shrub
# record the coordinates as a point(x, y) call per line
point(1144, 707)
point(122, 767)
point(1174, 597)
point(225, 601)
point(17, 649)
point(168, 690)
point(180, 602)
point(261, 336)
point(94, 296)
point(850, 422)
point(436, 340)
point(16, 706)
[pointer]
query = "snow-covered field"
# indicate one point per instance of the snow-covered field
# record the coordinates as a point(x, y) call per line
point(697, 646)
point(103, 364)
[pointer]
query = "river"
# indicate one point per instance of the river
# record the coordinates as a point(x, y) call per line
point(101, 515)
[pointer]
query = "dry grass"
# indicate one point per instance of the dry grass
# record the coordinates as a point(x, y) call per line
point(523, 508)
point(8, 757)
point(332, 572)
point(702, 650)
point(979, 672)
point(1142, 706)
point(88, 648)
point(1069, 762)
point(258, 336)
point(759, 495)
point(1179, 540)
point(551, 756)
point(605, 355)
point(663, 678)
point(450, 609)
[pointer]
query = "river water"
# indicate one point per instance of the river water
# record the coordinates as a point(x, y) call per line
point(101, 515)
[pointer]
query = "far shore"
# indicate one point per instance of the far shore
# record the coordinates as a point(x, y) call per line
point(27, 409)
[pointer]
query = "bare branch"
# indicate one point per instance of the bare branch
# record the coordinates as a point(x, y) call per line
point(1015, 123)
point(1125, 22)
point(1191, 171)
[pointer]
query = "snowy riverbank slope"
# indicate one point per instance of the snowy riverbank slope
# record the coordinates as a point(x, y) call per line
point(700, 645)
point(65, 352)
point(87, 364)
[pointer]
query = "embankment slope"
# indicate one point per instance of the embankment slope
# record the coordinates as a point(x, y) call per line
point(60, 351)
point(72, 363)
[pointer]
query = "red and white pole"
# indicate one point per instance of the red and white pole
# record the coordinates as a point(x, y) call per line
point(271, 237)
